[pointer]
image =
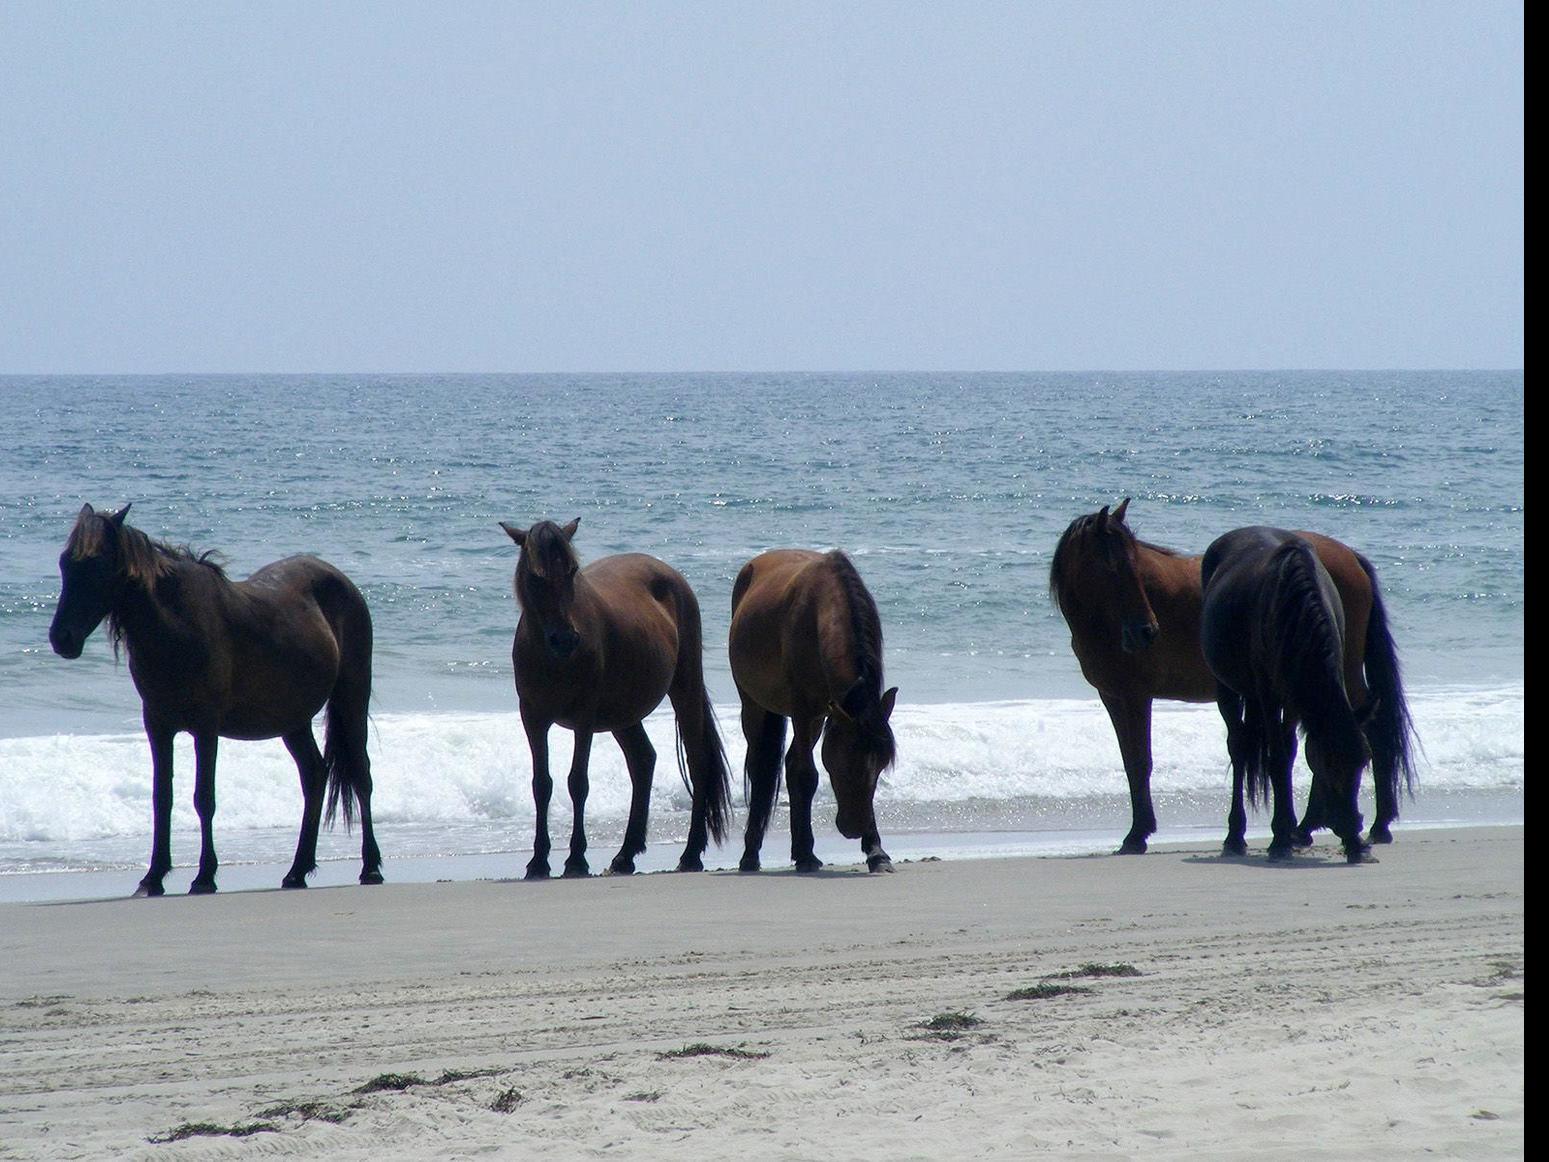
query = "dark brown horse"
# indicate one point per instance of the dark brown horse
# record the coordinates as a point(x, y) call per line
point(1134, 614)
point(598, 649)
point(1272, 630)
point(221, 659)
point(806, 645)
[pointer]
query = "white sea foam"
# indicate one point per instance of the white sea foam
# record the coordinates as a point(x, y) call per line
point(449, 769)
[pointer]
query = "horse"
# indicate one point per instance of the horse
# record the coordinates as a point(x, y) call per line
point(217, 658)
point(1133, 609)
point(1272, 629)
point(597, 649)
point(806, 645)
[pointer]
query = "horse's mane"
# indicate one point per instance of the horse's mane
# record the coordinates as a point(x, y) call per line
point(1061, 567)
point(545, 540)
point(141, 558)
point(866, 635)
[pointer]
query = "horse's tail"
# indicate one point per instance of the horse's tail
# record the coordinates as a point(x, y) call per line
point(701, 754)
point(1308, 655)
point(345, 760)
point(1389, 728)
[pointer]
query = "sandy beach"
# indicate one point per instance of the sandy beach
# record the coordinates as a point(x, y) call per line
point(1237, 1009)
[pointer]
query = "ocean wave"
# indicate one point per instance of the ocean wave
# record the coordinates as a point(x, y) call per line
point(459, 767)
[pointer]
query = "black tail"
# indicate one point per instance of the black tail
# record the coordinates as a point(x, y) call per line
point(344, 745)
point(701, 754)
point(1389, 728)
point(1307, 655)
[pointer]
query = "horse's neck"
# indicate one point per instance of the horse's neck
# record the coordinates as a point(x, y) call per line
point(155, 615)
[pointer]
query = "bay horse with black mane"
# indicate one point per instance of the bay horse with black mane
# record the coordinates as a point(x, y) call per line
point(1273, 631)
point(597, 649)
point(806, 645)
point(217, 658)
point(1133, 609)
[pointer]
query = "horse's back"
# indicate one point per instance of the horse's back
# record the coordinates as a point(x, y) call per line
point(1347, 569)
point(1249, 577)
point(787, 618)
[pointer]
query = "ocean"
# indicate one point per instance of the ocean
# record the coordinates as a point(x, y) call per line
point(948, 490)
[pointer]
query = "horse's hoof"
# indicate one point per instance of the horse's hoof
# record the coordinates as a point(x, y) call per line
point(577, 871)
point(202, 888)
point(149, 891)
point(371, 877)
point(1234, 848)
point(1379, 835)
point(622, 867)
point(1360, 855)
point(691, 864)
point(1132, 847)
point(748, 863)
point(536, 871)
point(808, 866)
point(292, 883)
point(1303, 839)
point(879, 863)
point(1281, 854)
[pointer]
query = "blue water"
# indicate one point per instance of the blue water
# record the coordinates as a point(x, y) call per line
point(949, 491)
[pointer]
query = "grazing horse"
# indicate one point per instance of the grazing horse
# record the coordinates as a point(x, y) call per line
point(598, 649)
point(806, 645)
point(1134, 614)
point(229, 659)
point(1273, 633)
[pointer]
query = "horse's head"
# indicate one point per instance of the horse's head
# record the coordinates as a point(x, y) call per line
point(546, 571)
point(91, 571)
point(1095, 565)
point(857, 747)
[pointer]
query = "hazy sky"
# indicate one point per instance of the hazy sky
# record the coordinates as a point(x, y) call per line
point(661, 186)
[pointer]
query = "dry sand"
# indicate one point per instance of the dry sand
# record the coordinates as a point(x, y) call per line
point(1315, 1010)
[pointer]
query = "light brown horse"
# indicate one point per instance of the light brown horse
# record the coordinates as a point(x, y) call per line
point(806, 645)
point(229, 659)
point(597, 649)
point(1134, 614)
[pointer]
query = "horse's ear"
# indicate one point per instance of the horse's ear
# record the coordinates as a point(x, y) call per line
point(118, 517)
point(1102, 519)
point(86, 511)
point(516, 534)
point(1118, 513)
point(888, 698)
point(569, 529)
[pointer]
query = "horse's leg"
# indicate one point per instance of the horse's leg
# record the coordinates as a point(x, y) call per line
point(801, 784)
point(1282, 756)
point(309, 763)
point(575, 863)
point(370, 854)
point(206, 746)
point(542, 791)
point(765, 735)
point(160, 739)
point(1231, 707)
point(1316, 815)
point(1131, 718)
point(640, 758)
point(877, 860)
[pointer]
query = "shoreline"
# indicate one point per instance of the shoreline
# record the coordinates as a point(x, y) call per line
point(1279, 1009)
point(505, 865)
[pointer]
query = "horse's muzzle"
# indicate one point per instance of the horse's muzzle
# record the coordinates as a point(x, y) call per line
point(66, 643)
point(1138, 635)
